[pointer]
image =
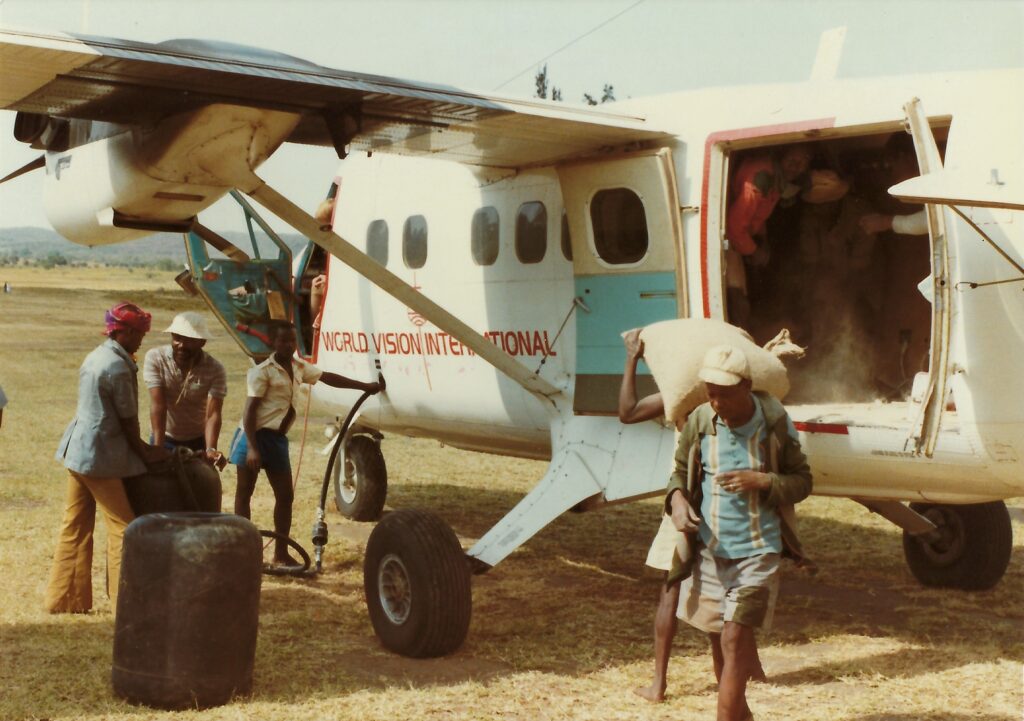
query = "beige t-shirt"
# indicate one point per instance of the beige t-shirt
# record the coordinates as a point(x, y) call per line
point(185, 393)
point(270, 383)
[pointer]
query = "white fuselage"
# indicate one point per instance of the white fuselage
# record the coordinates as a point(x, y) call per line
point(437, 388)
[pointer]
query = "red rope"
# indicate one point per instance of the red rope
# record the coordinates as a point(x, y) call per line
point(302, 448)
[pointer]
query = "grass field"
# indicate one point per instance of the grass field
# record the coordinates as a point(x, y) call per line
point(561, 630)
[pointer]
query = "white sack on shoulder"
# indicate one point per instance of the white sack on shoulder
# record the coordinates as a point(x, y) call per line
point(674, 351)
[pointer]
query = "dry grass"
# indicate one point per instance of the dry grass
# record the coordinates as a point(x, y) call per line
point(561, 630)
point(88, 278)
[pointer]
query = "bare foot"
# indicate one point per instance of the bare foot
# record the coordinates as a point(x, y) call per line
point(759, 675)
point(654, 694)
point(285, 560)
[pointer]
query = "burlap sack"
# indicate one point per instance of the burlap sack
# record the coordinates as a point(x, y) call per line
point(674, 351)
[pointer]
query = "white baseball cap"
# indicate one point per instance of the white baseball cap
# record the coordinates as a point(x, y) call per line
point(189, 324)
point(725, 365)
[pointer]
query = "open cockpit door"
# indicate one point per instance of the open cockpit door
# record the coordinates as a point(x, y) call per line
point(246, 287)
point(624, 225)
point(925, 431)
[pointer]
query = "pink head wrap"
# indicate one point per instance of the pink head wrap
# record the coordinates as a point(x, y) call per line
point(127, 315)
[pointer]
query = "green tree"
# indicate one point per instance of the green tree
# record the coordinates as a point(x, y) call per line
point(53, 259)
point(166, 264)
point(543, 82)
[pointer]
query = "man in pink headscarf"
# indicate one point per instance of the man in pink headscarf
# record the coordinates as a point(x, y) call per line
point(100, 447)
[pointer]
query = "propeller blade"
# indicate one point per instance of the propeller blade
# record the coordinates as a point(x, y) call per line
point(39, 162)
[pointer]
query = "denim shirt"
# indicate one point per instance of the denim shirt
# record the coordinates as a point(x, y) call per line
point(94, 443)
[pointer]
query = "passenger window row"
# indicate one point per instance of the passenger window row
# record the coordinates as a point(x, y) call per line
point(620, 231)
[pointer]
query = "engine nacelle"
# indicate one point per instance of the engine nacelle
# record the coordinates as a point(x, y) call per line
point(135, 182)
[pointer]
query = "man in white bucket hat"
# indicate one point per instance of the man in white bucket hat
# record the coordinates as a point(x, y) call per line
point(187, 387)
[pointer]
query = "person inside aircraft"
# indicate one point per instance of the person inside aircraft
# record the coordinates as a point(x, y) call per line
point(261, 441)
point(317, 289)
point(903, 166)
point(759, 183)
point(735, 517)
point(834, 289)
point(100, 448)
point(659, 557)
point(187, 387)
point(314, 280)
point(325, 211)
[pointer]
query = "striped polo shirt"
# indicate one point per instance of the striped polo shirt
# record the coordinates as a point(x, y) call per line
point(735, 525)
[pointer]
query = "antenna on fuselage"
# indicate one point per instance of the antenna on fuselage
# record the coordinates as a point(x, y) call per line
point(830, 50)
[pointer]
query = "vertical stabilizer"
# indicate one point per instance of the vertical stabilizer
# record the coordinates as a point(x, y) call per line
point(830, 50)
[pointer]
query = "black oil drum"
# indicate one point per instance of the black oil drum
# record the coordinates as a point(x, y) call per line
point(181, 483)
point(187, 610)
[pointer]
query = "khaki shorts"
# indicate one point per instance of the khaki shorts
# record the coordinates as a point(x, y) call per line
point(660, 555)
point(741, 590)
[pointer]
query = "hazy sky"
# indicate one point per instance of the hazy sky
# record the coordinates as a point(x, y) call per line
point(653, 46)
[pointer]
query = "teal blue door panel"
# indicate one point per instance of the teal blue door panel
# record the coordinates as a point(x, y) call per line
point(617, 303)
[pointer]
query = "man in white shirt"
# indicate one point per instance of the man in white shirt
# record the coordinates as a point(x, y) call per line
point(187, 387)
point(261, 441)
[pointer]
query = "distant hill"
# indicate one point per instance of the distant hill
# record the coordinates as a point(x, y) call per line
point(38, 243)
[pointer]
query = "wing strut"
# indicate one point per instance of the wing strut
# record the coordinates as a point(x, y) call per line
point(394, 286)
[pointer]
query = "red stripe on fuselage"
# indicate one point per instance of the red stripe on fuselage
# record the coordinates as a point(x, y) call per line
point(762, 131)
point(834, 428)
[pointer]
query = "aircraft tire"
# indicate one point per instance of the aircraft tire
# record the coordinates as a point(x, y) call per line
point(361, 480)
point(417, 585)
point(974, 550)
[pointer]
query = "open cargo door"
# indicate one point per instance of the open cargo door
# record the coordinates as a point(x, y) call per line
point(626, 236)
point(925, 430)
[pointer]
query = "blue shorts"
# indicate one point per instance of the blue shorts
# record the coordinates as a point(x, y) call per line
point(273, 448)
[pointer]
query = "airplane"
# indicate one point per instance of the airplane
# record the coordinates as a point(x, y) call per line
point(485, 253)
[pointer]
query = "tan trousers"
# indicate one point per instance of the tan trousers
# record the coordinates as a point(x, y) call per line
point(70, 586)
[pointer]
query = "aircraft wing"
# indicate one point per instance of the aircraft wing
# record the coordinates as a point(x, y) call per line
point(132, 83)
point(981, 188)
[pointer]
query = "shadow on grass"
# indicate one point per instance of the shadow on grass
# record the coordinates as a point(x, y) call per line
point(863, 587)
point(573, 600)
point(58, 668)
point(905, 663)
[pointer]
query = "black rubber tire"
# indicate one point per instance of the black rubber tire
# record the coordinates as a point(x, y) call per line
point(974, 551)
point(426, 612)
point(362, 499)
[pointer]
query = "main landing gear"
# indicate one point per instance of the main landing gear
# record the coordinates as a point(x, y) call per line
point(361, 480)
point(969, 549)
point(417, 582)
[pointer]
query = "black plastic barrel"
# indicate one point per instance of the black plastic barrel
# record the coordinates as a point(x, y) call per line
point(181, 483)
point(187, 609)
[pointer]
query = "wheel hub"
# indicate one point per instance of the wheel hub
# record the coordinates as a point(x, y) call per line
point(949, 547)
point(394, 589)
point(348, 482)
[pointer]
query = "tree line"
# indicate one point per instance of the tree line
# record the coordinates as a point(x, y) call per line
point(543, 85)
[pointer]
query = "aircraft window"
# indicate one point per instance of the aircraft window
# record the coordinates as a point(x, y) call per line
point(531, 232)
point(377, 241)
point(414, 242)
point(566, 238)
point(620, 226)
point(485, 236)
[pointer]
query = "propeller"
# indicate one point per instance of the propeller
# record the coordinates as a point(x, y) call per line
point(39, 162)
